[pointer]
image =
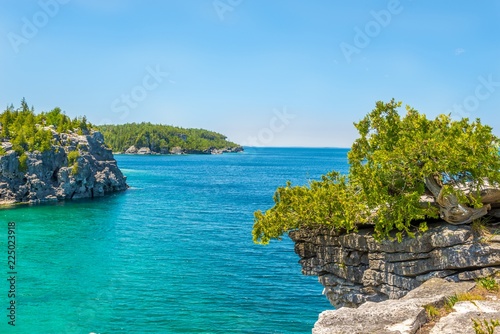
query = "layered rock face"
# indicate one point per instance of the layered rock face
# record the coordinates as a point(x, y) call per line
point(51, 176)
point(354, 268)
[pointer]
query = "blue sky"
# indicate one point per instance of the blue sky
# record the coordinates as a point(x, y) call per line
point(266, 73)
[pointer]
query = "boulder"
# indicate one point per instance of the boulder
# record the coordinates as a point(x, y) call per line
point(176, 150)
point(131, 150)
point(144, 150)
point(460, 320)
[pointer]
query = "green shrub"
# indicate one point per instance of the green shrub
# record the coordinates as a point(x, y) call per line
point(72, 157)
point(486, 326)
point(432, 312)
point(75, 169)
point(23, 162)
point(25, 129)
point(394, 162)
point(488, 283)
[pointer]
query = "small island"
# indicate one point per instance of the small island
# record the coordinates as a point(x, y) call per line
point(148, 138)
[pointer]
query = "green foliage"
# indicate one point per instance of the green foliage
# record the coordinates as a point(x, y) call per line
point(161, 137)
point(389, 163)
point(485, 326)
point(432, 312)
point(72, 157)
point(75, 168)
point(451, 301)
point(23, 162)
point(461, 297)
point(26, 130)
point(489, 283)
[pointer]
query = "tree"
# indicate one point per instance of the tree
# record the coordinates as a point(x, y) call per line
point(26, 131)
point(403, 170)
point(158, 137)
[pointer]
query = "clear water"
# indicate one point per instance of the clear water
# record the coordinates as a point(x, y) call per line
point(173, 254)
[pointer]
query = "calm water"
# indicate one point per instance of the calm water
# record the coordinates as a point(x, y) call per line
point(171, 255)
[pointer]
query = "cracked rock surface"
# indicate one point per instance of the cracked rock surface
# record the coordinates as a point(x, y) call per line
point(354, 268)
point(403, 316)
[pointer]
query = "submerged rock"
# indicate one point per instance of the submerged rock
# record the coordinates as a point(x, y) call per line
point(91, 171)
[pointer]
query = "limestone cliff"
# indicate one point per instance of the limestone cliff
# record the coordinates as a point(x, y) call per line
point(354, 268)
point(92, 172)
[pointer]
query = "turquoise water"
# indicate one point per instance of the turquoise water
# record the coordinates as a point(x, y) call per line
point(173, 254)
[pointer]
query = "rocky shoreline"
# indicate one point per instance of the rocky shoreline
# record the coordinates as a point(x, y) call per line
point(76, 166)
point(409, 314)
point(357, 271)
point(178, 150)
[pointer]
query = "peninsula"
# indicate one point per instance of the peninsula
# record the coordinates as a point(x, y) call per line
point(148, 138)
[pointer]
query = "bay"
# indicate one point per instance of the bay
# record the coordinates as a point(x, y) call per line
point(173, 254)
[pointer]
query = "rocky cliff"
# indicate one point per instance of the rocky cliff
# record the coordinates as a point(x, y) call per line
point(76, 166)
point(354, 268)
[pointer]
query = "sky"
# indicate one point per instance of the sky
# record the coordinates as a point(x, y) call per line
point(263, 73)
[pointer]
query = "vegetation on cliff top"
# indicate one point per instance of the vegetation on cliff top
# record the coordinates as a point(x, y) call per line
point(28, 131)
point(161, 138)
point(402, 171)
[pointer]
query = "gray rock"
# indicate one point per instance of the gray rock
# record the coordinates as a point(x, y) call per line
point(402, 316)
point(460, 321)
point(354, 268)
point(48, 176)
point(131, 150)
point(144, 150)
point(176, 150)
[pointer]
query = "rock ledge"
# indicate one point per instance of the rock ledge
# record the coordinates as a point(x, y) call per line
point(355, 269)
point(403, 316)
